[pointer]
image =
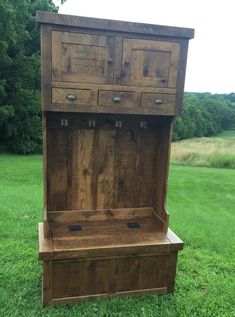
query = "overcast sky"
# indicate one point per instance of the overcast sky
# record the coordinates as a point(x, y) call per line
point(211, 58)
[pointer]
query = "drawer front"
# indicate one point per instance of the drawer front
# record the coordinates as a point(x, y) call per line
point(163, 103)
point(71, 96)
point(118, 99)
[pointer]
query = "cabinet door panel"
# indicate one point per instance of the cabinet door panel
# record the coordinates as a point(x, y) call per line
point(150, 63)
point(82, 58)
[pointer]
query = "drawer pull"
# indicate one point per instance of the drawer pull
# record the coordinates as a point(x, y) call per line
point(116, 99)
point(71, 97)
point(127, 61)
point(110, 60)
point(159, 101)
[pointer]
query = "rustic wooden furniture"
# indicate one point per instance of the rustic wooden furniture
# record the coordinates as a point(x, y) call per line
point(110, 91)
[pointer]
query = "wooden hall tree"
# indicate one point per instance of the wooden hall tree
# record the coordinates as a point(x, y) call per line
point(110, 92)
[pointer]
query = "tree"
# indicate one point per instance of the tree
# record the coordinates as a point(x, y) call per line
point(20, 124)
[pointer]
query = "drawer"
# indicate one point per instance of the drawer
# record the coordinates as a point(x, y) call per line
point(118, 98)
point(163, 103)
point(71, 96)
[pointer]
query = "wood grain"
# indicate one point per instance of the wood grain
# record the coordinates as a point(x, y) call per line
point(126, 160)
point(102, 24)
point(57, 168)
point(104, 168)
point(110, 91)
point(82, 167)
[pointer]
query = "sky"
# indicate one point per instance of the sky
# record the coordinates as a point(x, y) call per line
point(211, 56)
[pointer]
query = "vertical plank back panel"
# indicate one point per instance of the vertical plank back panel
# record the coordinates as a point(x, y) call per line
point(104, 168)
point(82, 156)
point(57, 169)
point(126, 160)
point(148, 143)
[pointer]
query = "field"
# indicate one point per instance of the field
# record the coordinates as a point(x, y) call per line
point(201, 203)
point(212, 152)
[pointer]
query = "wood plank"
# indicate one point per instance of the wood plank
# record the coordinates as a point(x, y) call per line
point(81, 38)
point(174, 67)
point(47, 283)
point(126, 160)
point(147, 148)
point(118, 87)
point(152, 271)
point(103, 24)
point(82, 167)
point(46, 67)
point(177, 243)
point(163, 156)
point(56, 55)
point(45, 245)
point(75, 299)
point(117, 61)
point(57, 168)
point(104, 168)
point(181, 77)
point(98, 214)
point(127, 270)
point(79, 278)
point(172, 271)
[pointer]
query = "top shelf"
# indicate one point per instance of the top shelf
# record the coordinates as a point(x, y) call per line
point(113, 25)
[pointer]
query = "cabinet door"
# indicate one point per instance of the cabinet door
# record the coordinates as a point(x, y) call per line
point(82, 58)
point(150, 63)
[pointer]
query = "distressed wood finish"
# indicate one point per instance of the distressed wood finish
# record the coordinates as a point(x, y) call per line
point(110, 91)
point(104, 59)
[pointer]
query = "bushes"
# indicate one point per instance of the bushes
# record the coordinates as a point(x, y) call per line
point(204, 115)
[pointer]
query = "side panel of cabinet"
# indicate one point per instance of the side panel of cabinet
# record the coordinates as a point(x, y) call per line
point(150, 63)
point(82, 58)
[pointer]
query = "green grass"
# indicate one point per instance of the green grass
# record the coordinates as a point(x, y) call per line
point(201, 203)
point(216, 151)
point(227, 134)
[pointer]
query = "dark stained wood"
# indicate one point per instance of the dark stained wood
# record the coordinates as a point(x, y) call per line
point(150, 63)
point(93, 23)
point(46, 65)
point(82, 169)
point(104, 169)
point(126, 160)
point(118, 99)
point(47, 283)
point(57, 168)
point(162, 103)
point(110, 91)
point(172, 271)
point(146, 184)
point(181, 77)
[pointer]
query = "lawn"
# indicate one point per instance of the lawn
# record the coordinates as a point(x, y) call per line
point(201, 202)
point(218, 151)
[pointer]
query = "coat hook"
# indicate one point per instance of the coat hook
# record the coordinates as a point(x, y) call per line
point(64, 122)
point(118, 124)
point(143, 124)
point(91, 123)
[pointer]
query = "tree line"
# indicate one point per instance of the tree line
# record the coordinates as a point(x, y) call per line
point(203, 114)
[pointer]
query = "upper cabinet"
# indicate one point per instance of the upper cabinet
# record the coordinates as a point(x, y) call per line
point(82, 58)
point(150, 63)
point(105, 66)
